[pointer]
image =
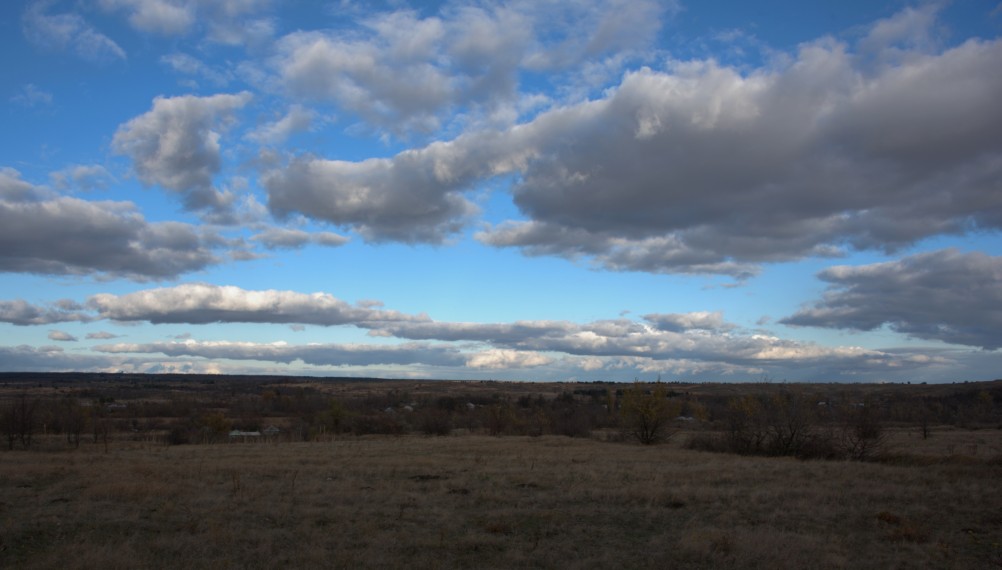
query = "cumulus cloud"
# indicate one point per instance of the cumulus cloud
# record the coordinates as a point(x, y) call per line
point(404, 199)
point(68, 32)
point(176, 145)
point(283, 238)
point(51, 235)
point(314, 354)
point(704, 168)
point(402, 70)
point(61, 336)
point(201, 303)
point(944, 295)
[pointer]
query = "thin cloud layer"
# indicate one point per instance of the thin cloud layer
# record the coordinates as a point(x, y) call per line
point(282, 238)
point(313, 354)
point(52, 358)
point(225, 21)
point(944, 295)
point(68, 32)
point(297, 119)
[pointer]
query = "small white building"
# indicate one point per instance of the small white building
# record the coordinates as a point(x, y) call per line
point(244, 435)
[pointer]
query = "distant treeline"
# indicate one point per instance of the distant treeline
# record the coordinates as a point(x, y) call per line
point(806, 420)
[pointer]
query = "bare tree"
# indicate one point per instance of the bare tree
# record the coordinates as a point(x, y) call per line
point(19, 421)
point(74, 420)
point(863, 433)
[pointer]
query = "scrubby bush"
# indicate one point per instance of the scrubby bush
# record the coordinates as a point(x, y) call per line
point(646, 414)
point(786, 424)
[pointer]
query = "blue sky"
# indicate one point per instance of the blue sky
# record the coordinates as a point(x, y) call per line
point(588, 190)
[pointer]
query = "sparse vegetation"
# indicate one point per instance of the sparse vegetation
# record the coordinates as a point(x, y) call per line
point(646, 414)
point(345, 474)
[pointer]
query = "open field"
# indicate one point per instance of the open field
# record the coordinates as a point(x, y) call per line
point(145, 472)
point(476, 501)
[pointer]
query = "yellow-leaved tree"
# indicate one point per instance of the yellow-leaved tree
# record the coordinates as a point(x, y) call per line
point(646, 413)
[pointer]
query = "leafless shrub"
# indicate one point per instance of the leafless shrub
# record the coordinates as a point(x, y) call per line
point(862, 433)
point(18, 419)
point(434, 421)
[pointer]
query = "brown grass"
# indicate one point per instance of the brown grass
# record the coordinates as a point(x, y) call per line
point(473, 501)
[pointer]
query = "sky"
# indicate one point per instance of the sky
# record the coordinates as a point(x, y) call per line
point(584, 190)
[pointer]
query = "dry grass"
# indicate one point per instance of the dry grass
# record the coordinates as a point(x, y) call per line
point(947, 441)
point(483, 502)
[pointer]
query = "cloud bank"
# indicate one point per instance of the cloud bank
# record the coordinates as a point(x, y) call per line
point(703, 168)
point(56, 235)
point(943, 295)
point(201, 303)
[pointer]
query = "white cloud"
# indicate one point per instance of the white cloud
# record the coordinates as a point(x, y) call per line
point(176, 145)
point(500, 359)
point(700, 320)
point(201, 303)
point(943, 295)
point(61, 336)
point(68, 32)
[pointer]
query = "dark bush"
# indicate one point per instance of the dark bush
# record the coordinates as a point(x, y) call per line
point(435, 422)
